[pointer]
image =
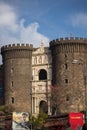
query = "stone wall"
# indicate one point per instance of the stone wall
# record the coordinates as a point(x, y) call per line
point(17, 60)
point(69, 75)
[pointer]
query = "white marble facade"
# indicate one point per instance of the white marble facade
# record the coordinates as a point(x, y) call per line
point(41, 78)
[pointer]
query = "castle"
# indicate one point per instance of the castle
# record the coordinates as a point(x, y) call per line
point(29, 72)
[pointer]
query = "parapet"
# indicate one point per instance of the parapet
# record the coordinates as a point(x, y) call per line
point(17, 46)
point(68, 40)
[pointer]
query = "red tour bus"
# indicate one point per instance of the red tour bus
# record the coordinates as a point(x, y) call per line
point(76, 120)
point(59, 122)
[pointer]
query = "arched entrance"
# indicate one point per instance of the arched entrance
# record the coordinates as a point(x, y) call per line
point(43, 107)
point(43, 74)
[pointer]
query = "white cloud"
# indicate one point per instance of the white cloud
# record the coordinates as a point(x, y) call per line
point(79, 20)
point(30, 33)
point(7, 17)
point(13, 31)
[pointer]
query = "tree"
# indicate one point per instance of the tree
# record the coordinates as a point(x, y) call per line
point(37, 122)
point(57, 98)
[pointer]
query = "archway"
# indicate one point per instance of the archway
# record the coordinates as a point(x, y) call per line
point(43, 74)
point(43, 107)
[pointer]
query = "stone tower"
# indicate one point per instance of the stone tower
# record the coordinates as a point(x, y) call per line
point(69, 66)
point(17, 64)
point(26, 88)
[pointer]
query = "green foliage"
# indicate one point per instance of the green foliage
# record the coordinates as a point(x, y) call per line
point(2, 108)
point(38, 121)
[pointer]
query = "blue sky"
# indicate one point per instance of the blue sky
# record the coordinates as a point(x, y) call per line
point(33, 21)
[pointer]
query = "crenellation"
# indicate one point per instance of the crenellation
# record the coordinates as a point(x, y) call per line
point(27, 45)
point(18, 44)
point(5, 46)
point(63, 51)
point(61, 39)
point(81, 39)
point(53, 41)
point(17, 47)
point(57, 40)
point(76, 38)
point(9, 45)
point(85, 39)
point(22, 44)
point(31, 45)
point(20, 57)
point(68, 40)
point(72, 38)
point(13, 45)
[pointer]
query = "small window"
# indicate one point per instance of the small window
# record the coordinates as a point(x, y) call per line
point(66, 80)
point(66, 66)
point(65, 55)
point(12, 99)
point(67, 98)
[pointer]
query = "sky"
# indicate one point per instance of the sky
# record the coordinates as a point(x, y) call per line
point(34, 21)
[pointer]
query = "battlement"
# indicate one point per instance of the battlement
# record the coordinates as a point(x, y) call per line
point(17, 46)
point(68, 40)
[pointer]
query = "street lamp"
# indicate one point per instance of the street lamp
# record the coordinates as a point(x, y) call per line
point(80, 61)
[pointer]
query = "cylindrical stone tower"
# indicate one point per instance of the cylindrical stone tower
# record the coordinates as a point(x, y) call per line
point(69, 64)
point(17, 64)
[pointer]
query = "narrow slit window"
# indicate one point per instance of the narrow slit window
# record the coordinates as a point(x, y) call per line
point(66, 66)
point(67, 98)
point(65, 55)
point(12, 99)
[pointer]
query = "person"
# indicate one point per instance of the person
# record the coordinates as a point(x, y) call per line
point(21, 121)
point(25, 121)
point(25, 117)
point(68, 127)
point(84, 126)
point(79, 127)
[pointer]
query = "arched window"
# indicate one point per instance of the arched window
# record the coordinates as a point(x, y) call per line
point(42, 74)
point(43, 107)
